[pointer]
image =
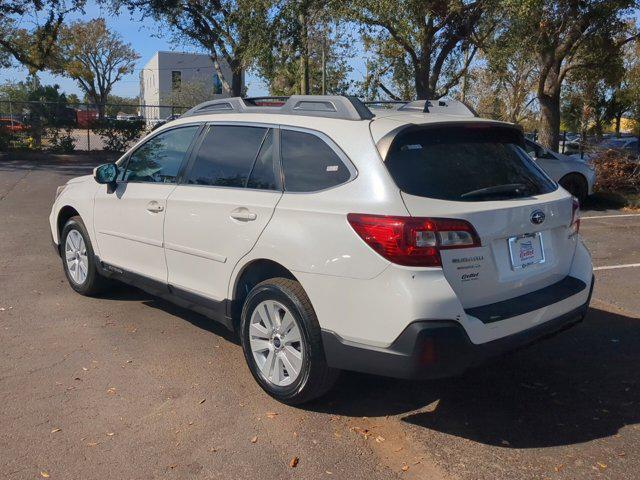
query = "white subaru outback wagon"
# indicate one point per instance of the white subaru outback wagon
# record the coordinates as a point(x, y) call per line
point(413, 242)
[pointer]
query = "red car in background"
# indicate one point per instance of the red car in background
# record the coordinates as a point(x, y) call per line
point(12, 126)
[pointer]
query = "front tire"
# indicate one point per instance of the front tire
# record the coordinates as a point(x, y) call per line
point(78, 259)
point(282, 343)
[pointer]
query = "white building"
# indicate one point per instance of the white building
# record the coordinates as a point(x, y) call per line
point(168, 71)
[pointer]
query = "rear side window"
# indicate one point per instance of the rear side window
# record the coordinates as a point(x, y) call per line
point(465, 163)
point(309, 164)
point(226, 156)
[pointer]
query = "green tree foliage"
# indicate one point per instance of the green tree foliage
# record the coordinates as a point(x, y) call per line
point(96, 58)
point(191, 93)
point(230, 30)
point(425, 46)
point(308, 52)
point(562, 36)
point(29, 30)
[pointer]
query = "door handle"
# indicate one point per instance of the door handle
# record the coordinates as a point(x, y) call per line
point(154, 207)
point(243, 215)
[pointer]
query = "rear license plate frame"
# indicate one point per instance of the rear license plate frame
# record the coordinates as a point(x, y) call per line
point(513, 250)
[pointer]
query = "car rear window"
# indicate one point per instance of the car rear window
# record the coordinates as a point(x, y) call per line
point(465, 163)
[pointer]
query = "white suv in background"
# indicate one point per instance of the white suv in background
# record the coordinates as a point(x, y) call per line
point(415, 242)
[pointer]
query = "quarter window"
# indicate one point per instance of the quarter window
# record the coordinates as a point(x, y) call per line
point(309, 164)
point(226, 156)
point(159, 159)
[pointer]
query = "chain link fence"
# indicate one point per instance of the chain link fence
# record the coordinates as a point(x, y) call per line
point(64, 128)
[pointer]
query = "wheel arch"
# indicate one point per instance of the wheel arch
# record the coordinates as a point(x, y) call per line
point(579, 176)
point(249, 275)
point(64, 214)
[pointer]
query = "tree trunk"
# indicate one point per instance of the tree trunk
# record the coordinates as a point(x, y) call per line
point(618, 122)
point(421, 79)
point(236, 82)
point(550, 120)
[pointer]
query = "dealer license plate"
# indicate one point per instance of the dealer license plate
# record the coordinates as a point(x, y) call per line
point(526, 250)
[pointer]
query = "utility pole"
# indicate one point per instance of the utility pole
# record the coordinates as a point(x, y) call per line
point(324, 60)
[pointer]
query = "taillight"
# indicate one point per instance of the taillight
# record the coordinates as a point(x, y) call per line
point(413, 241)
point(575, 217)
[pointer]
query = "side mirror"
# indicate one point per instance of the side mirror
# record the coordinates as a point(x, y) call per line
point(106, 174)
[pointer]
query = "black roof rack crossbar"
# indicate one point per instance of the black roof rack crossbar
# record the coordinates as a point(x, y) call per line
point(330, 106)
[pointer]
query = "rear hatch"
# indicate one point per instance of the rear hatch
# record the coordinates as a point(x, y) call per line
point(478, 172)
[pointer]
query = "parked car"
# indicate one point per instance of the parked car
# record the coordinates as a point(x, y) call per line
point(574, 174)
point(407, 243)
point(159, 123)
point(128, 116)
point(625, 145)
point(13, 126)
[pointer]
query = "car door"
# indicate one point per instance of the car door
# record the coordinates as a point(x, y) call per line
point(554, 167)
point(129, 219)
point(216, 214)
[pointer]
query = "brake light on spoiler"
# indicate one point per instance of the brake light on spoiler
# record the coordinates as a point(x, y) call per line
point(413, 241)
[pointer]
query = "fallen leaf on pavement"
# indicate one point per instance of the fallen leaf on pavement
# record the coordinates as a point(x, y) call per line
point(44, 474)
point(254, 439)
point(405, 468)
point(85, 369)
point(379, 439)
point(602, 465)
point(111, 391)
point(110, 434)
point(271, 414)
point(93, 444)
point(55, 430)
point(294, 462)
point(203, 400)
point(397, 449)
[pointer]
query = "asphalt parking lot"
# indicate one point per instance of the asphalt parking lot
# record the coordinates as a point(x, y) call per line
point(128, 386)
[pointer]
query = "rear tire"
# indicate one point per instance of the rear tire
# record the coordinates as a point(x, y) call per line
point(576, 185)
point(78, 259)
point(282, 342)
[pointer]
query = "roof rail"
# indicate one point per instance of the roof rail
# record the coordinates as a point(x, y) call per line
point(330, 106)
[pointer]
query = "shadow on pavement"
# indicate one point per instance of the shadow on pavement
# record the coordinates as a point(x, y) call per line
point(71, 165)
point(579, 386)
point(123, 292)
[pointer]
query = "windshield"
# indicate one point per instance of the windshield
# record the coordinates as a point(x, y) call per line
point(465, 163)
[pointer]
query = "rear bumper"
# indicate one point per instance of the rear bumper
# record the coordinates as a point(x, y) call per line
point(436, 349)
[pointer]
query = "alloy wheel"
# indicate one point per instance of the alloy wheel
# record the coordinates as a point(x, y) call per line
point(76, 257)
point(276, 343)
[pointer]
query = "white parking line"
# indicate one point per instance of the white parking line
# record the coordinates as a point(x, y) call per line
point(612, 216)
point(611, 267)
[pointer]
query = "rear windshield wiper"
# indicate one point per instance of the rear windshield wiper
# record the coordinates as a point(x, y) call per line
point(517, 188)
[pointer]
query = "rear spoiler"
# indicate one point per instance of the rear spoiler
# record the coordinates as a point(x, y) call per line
point(515, 131)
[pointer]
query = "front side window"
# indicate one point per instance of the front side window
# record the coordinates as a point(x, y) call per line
point(227, 155)
point(309, 164)
point(464, 163)
point(159, 159)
